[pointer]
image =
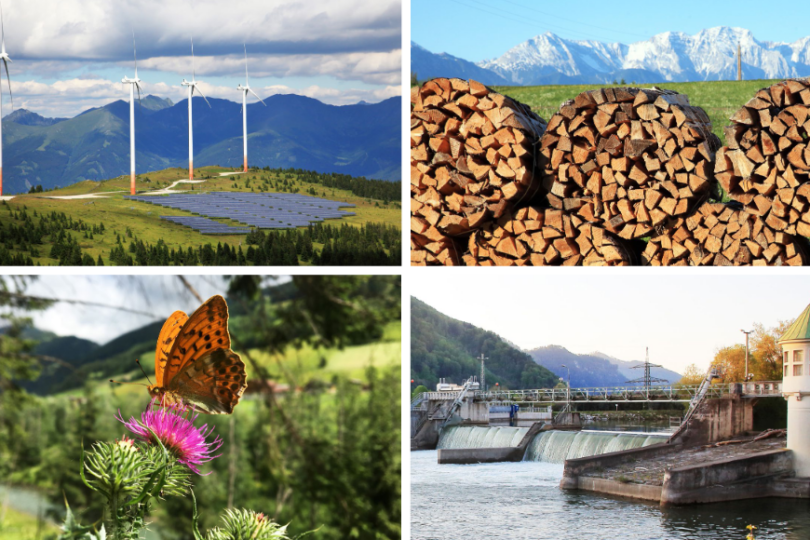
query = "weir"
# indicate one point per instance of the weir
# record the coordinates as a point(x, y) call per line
point(549, 446)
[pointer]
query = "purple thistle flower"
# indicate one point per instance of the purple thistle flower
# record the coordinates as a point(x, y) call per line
point(174, 427)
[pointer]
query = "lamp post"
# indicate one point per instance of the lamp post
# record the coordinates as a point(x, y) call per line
point(568, 386)
point(745, 377)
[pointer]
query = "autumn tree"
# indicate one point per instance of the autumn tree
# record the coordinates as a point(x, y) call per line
point(766, 352)
point(692, 376)
point(731, 363)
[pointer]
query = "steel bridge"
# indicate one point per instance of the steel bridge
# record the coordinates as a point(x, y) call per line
point(610, 394)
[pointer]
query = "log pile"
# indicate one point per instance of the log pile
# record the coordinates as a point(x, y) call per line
point(492, 185)
point(628, 158)
point(766, 162)
point(532, 236)
point(472, 156)
point(721, 235)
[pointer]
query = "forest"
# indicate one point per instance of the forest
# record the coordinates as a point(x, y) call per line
point(313, 445)
point(442, 347)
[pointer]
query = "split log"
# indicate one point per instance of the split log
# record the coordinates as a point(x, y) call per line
point(532, 236)
point(628, 158)
point(429, 247)
point(765, 164)
point(768, 433)
point(472, 153)
point(722, 235)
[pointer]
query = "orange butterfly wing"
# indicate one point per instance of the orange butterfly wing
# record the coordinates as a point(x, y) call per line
point(205, 331)
point(201, 369)
point(165, 342)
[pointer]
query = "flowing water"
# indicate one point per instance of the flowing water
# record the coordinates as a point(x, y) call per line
point(481, 437)
point(516, 501)
point(557, 446)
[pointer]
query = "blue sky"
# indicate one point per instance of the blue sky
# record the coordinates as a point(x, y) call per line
point(682, 319)
point(481, 29)
point(70, 55)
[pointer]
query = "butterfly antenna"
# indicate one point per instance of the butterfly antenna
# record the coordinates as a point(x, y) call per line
point(135, 383)
point(138, 361)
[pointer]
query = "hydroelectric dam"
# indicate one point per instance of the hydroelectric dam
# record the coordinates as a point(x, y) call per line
point(710, 454)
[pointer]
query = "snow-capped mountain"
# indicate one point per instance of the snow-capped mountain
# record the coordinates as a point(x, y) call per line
point(672, 56)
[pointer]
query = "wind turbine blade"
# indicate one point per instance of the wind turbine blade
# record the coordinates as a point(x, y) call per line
point(257, 97)
point(203, 95)
point(193, 72)
point(2, 27)
point(138, 87)
point(9, 83)
point(135, 53)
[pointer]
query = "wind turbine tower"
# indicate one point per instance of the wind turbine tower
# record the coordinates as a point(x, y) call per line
point(4, 57)
point(134, 84)
point(192, 86)
point(245, 89)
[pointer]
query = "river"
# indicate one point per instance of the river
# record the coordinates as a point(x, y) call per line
point(523, 500)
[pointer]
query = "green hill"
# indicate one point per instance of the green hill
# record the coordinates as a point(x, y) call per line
point(442, 347)
point(96, 224)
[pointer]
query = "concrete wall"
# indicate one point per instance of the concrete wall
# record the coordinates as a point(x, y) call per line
point(717, 420)
point(726, 480)
point(575, 468)
point(465, 456)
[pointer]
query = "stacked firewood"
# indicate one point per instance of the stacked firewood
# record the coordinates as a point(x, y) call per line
point(722, 235)
point(628, 158)
point(766, 162)
point(532, 236)
point(472, 155)
point(492, 185)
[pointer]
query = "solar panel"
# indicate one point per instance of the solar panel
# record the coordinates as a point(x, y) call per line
point(261, 210)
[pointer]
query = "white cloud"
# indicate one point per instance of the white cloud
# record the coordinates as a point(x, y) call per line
point(100, 29)
point(367, 67)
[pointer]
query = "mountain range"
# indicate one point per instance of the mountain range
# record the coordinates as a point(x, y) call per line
point(594, 369)
point(289, 132)
point(671, 56)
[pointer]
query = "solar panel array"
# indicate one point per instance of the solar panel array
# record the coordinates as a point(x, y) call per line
point(256, 210)
point(205, 225)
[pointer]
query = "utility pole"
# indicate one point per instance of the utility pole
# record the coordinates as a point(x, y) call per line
point(745, 375)
point(739, 63)
point(567, 387)
point(483, 374)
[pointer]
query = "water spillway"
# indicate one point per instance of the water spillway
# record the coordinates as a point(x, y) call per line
point(481, 437)
point(557, 446)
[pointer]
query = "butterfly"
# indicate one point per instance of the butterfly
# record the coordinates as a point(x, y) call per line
point(194, 363)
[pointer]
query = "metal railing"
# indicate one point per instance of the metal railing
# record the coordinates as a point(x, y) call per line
point(616, 394)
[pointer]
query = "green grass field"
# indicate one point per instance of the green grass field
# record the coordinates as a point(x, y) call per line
point(143, 219)
point(720, 99)
point(21, 526)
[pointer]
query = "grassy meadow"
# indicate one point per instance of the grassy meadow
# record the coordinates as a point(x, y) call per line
point(720, 99)
point(143, 219)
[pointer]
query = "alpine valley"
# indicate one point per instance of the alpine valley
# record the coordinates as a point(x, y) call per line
point(709, 55)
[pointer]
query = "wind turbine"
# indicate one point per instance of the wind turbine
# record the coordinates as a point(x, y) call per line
point(245, 89)
point(192, 86)
point(133, 84)
point(4, 57)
